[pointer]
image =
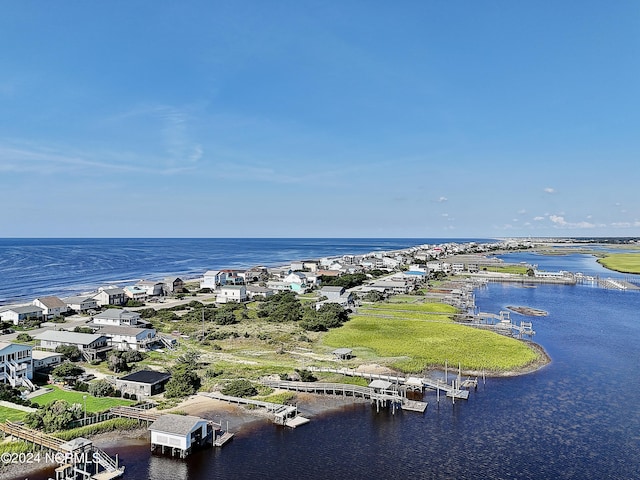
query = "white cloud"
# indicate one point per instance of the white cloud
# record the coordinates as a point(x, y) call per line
point(522, 211)
point(445, 214)
point(560, 221)
point(538, 218)
point(626, 224)
point(442, 199)
point(550, 190)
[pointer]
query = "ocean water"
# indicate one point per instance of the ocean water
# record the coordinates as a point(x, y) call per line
point(33, 267)
point(577, 418)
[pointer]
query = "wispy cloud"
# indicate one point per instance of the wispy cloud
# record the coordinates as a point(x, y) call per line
point(442, 199)
point(560, 221)
point(550, 190)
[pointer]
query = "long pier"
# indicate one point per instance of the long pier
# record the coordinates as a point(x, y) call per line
point(380, 396)
point(451, 391)
point(79, 454)
point(286, 415)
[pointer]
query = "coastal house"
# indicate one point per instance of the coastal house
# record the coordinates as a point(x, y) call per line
point(231, 293)
point(152, 288)
point(44, 360)
point(257, 290)
point(16, 364)
point(51, 306)
point(129, 338)
point(81, 303)
point(332, 293)
point(110, 296)
point(343, 353)
point(212, 279)
point(172, 285)
point(93, 346)
point(118, 316)
point(19, 314)
point(180, 434)
point(143, 383)
point(135, 293)
point(254, 274)
point(297, 282)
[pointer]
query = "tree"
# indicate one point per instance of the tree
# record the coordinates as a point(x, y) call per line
point(306, 375)
point(24, 337)
point(281, 307)
point(117, 363)
point(373, 296)
point(55, 416)
point(240, 388)
point(67, 371)
point(71, 352)
point(329, 315)
point(101, 388)
point(184, 380)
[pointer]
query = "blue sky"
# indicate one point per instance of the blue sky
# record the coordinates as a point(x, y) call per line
point(319, 119)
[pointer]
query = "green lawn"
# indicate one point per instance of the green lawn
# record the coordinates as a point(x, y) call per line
point(622, 262)
point(517, 269)
point(94, 404)
point(12, 414)
point(412, 307)
point(417, 345)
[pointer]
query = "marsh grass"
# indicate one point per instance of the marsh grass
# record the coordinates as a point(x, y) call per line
point(622, 262)
point(418, 345)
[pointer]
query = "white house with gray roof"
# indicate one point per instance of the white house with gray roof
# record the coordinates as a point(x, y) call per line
point(118, 316)
point(231, 293)
point(129, 338)
point(81, 303)
point(19, 314)
point(110, 296)
point(16, 364)
point(180, 434)
point(92, 345)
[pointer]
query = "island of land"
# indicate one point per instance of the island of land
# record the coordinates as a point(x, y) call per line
point(394, 313)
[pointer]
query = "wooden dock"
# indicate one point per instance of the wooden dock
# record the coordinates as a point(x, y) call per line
point(379, 396)
point(451, 391)
point(135, 413)
point(81, 454)
point(282, 414)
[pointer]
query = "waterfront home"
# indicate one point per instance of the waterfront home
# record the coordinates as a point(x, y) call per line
point(332, 293)
point(152, 288)
point(257, 290)
point(51, 306)
point(81, 303)
point(129, 338)
point(16, 364)
point(254, 274)
point(118, 316)
point(143, 383)
point(92, 345)
point(180, 434)
point(298, 281)
point(231, 293)
point(328, 273)
point(110, 296)
point(44, 360)
point(389, 286)
point(212, 279)
point(19, 314)
point(172, 285)
point(136, 293)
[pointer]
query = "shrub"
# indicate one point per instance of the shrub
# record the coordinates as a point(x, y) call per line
point(66, 371)
point(240, 388)
point(101, 388)
point(71, 352)
point(24, 337)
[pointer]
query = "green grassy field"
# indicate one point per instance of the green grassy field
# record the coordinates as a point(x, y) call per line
point(622, 262)
point(517, 269)
point(94, 404)
point(12, 414)
point(415, 345)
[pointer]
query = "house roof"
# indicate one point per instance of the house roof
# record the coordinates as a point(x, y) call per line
point(211, 273)
point(172, 279)
point(232, 287)
point(25, 309)
point(122, 330)
point(342, 351)
point(78, 299)
point(258, 289)
point(112, 291)
point(51, 302)
point(146, 376)
point(332, 289)
point(383, 384)
point(42, 354)
point(176, 424)
point(68, 337)
point(117, 313)
point(17, 346)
